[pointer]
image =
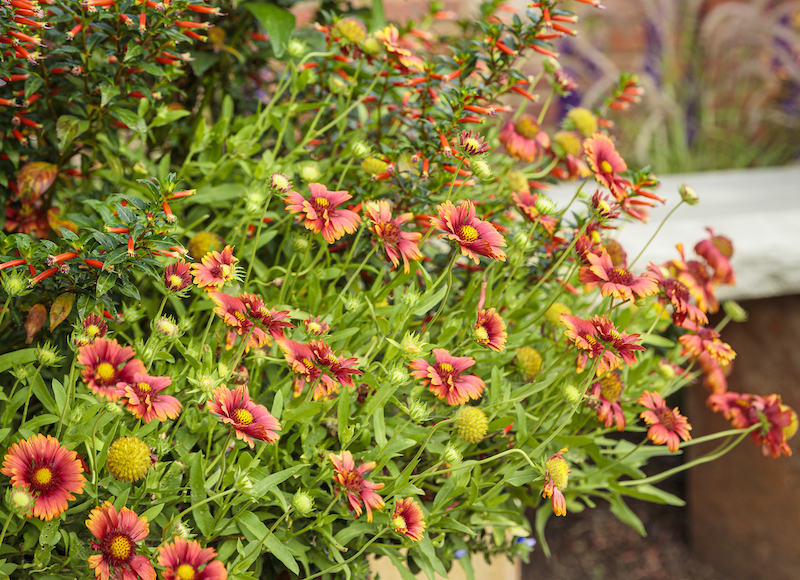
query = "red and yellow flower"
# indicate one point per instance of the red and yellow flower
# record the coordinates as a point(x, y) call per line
point(390, 37)
point(188, 560)
point(475, 236)
point(105, 366)
point(615, 281)
point(321, 212)
point(408, 519)
point(336, 371)
point(717, 251)
point(215, 269)
point(46, 469)
point(675, 292)
point(526, 203)
point(524, 139)
point(607, 164)
point(177, 276)
point(302, 361)
point(248, 419)
point(608, 390)
point(556, 480)
point(143, 398)
point(600, 338)
point(666, 425)
point(445, 379)
point(351, 479)
point(704, 339)
point(397, 243)
point(118, 534)
point(490, 330)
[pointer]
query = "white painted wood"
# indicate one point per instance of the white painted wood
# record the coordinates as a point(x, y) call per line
point(758, 209)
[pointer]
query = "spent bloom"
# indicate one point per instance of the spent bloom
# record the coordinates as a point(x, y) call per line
point(215, 269)
point(490, 330)
point(475, 236)
point(188, 560)
point(248, 419)
point(351, 479)
point(48, 470)
point(445, 379)
point(397, 243)
point(615, 281)
point(556, 480)
point(408, 519)
point(717, 251)
point(666, 425)
point(105, 365)
point(118, 534)
point(528, 361)
point(321, 212)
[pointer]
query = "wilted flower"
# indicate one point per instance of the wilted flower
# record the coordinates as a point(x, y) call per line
point(358, 489)
point(471, 424)
point(608, 389)
point(717, 251)
point(529, 362)
point(556, 480)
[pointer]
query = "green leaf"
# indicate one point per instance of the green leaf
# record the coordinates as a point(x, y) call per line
point(625, 514)
point(426, 547)
point(67, 129)
point(343, 412)
point(656, 340)
point(107, 92)
point(197, 484)
point(278, 23)
point(18, 357)
point(260, 488)
point(166, 116)
point(132, 120)
point(378, 16)
point(255, 526)
point(105, 282)
point(429, 301)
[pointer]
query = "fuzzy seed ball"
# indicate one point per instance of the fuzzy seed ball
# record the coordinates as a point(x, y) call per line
point(569, 142)
point(128, 459)
point(556, 310)
point(303, 503)
point(471, 424)
point(584, 120)
point(559, 471)
point(205, 242)
point(529, 362)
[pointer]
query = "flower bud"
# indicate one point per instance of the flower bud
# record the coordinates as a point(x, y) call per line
point(545, 205)
point(347, 434)
point(166, 328)
point(412, 345)
point(77, 414)
point(310, 172)
point(451, 454)
point(337, 85)
point(398, 376)
point(571, 393)
point(481, 169)
point(280, 183)
point(371, 45)
point(300, 243)
point(15, 284)
point(20, 500)
point(181, 530)
point(471, 424)
point(410, 298)
point(352, 302)
point(254, 202)
point(114, 409)
point(418, 411)
point(734, 311)
point(48, 356)
point(360, 149)
point(303, 503)
point(688, 195)
point(242, 483)
point(296, 48)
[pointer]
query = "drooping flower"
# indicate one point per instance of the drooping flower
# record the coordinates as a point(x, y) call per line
point(215, 269)
point(675, 292)
point(607, 164)
point(48, 470)
point(397, 243)
point(321, 213)
point(358, 489)
point(129, 459)
point(526, 203)
point(475, 236)
point(556, 480)
point(608, 389)
point(666, 425)
point(614, 281)
point(694, 275)
point(408, 519)
point(600, 338)
point(745, 410)
point(717, 251)
point(336, 371)
point(177, 277)
point(705, 339)
point(118, 534)
point(445, 379)
point(302, 361)
point(248, 419)
point(490, 330)
point(144, 399)
point(185, 560)
point(524, 139)
point(105, 366)
point(390, 37)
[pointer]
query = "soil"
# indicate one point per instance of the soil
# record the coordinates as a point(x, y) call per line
point(595, 545)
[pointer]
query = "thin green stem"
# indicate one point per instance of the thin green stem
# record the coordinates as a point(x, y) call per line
point(5, 526)
point(661, 225)
point(28, 399)
point(346, 562)
point(255, 242)
point(196, 505)
point(450, 267)
point(5, 307)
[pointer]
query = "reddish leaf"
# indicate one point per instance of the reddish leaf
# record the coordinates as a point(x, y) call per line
point(34, 179)
point(61, 309)
point(35, 321)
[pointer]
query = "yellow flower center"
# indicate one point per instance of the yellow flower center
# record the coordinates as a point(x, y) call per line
point(472, 144)
point(605, 167)
point(184, 572)
point(144, 387)
point(526, 127)
point(469, 234)
point(314, 328)
point(239, 316)
point(243, 417)
point(307, 363)
point(92, 330)
point(611, 387)
point(321, 201)
point(175, 281)
point(42, 476)
point(481, 334)
point(226, 272)
point(446, 367)
point(559, 472)
point(120, 548)
point(105, 371)
point(399, 524)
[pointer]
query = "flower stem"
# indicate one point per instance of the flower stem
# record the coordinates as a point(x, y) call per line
point(255, 242)
point(5, 525)
point(28, 399)
point(661, 225)
point(5, 307)
point(450, 267)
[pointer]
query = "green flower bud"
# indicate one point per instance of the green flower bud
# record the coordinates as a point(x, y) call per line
point(418, 411)
point(734, 311)
point(398, 376)
point(16, 284)
point(296, 48)
point(688, 195)
point(451, 454)
point(310, 172)
point(300, 243)
point(20, 500)
point(545, 205)
point(303, 503)
point(481, 169)
point(48, 355)
point(412, 345)
point(114, 409)
point(360, 149)
point(571, 393)
point(352, 302)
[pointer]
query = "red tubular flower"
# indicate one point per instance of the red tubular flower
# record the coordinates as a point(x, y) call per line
point(397, 243)
point(145, 401)
point(48, 470)
point(526, 204)
point(608, 389)
point(184, 558)
point(358, 489)
point(105, 366)
point(607, 164)
point(490, 330)
point(248, 419)
point(215, 269)
point(666, 425)
point(321, 213)
point(717, 251)
point(177, 277)
point(118, 533)
point(408, 519)
point(523, 138)
point(614, 281)
point(475, 236)
point(444, 377)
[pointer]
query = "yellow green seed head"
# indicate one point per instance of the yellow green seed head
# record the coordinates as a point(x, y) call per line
point(374, 166)
point(583, 120)
point(555, 311)
point(517, 181)
point(128, 459)
point(529, 362)
point(471, 424)
point(559, 471)
point(205, 242)
point(569, 142)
